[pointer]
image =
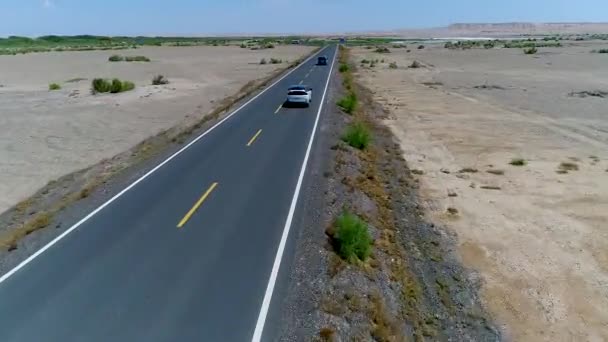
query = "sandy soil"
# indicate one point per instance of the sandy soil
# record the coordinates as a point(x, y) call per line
point(537, 237)
point(44, 135)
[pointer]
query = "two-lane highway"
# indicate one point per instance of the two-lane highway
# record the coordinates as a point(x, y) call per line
point(190, 251)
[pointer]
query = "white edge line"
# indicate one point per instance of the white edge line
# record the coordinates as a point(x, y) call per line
point(148, 174)
point(259, 328)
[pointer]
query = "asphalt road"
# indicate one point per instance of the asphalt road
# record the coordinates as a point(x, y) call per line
point(191, 251)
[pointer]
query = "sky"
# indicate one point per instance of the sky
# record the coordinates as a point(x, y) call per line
point(201, 17)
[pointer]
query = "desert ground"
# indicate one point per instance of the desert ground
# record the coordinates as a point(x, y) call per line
point(535, 234)
point(47, 134)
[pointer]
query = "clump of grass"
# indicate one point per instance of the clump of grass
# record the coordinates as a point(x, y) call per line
point(365, 61)
point(393, 65)
point(352, 239)
point(452, 211)
point(159, 80)
point(490, 187)
point(263, 61)
point(357, 135)
point(100, 85)
point(348, 103)
point(243, 46)
point(531, 51)
point(518, 162)
point(276, 61)
point(420, 47)
point(568, 166)
point(383, 49)
point(116, 58)
point(54, 86)
point(344, 67)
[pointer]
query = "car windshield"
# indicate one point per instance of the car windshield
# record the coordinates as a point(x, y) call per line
point(297, 92)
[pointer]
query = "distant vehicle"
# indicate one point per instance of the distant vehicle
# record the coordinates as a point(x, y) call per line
point(322, 60)
point(299, 95)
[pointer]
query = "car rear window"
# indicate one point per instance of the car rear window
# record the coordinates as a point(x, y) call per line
point(297, 92)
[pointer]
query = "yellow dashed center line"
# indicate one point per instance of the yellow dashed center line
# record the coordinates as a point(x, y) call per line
point(197, 205)
point(254, 137)
point(278, 109)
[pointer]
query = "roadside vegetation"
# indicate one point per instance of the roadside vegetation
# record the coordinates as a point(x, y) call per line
point(600, 51)
point(357, 135)
point(351, 238)
point(54, 86)
point(507, 44)
point(531, 51)
point(404, 278)
point(100, 85)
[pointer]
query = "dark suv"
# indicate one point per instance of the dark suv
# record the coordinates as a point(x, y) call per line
point(322, 60)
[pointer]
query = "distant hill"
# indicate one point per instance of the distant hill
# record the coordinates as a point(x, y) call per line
point(495, 30)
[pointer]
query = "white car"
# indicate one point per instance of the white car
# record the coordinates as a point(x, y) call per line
point(299, 95)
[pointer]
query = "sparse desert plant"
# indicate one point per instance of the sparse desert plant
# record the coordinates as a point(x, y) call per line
point(357, 135)
point(275, 61)
point(468, 170)
point(159, 80)
point(243, 46)
point(393, 65)
point(415, 65)
point(137, 59)
point(263, 61)
point(365, 61)
point(269, 46)
point(568, 166)
point(383, 49)
point(54, 86)
point(344, 67)
point(116, 58)
point(352, 239)
point(496, 172)
point(420, 47)
point(518, 162)
point(601, 51)
point(348, 103)
point(531, 51)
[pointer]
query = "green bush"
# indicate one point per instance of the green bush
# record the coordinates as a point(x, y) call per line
point(159, 80)
point(100, 85)
point(127, 86)
point(116, 86)
point(420, 47)
point(54, 86)
point(531, 51)
point(263, 61)
point(365, 61)
point(137, 59)
point(352, 239)
point(243, 46)
point(393, 65)
point(348, 103)
point(357, 135)
point(344, 67)
point(116, 58)
point(275, 61)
